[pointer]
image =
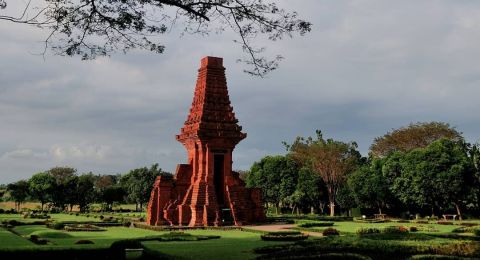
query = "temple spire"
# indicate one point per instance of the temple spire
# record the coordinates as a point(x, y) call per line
point(211, 114)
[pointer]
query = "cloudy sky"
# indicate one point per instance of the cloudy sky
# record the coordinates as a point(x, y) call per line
point(367, 66)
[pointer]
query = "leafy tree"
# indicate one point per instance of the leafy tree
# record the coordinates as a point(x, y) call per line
point(18, 192)
point(418, 135)
point(310, 190)
point(276, 176)
point(108, 190)
point(41, 187)
point(65, 185)
point(85, 191)
point(138, 183)
point(332, 160)
point(436, 176)
point(369, 187)
point(98, 27)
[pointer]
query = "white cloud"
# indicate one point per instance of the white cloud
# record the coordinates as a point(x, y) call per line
point(366, 67)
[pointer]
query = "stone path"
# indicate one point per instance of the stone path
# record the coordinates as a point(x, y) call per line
point(282, 227)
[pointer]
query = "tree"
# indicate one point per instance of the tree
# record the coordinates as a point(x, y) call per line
point(85, 191)
point(418, 135)
point(276, 176)
point(18, 192)
point(41, 187)
point(310, 190)
point(108, 190)
point(63, 192)
point(98, 27)
point(436, 176)
point(369, 187)
point(332, 160)
point(138, 184)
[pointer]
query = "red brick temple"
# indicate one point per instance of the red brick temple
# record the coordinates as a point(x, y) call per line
point(206, 192)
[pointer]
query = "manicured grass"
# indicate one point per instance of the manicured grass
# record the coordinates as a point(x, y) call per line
point(8, 239)
point(349, 227)
point(56, 217)
point(102, 238)
point(233, 244)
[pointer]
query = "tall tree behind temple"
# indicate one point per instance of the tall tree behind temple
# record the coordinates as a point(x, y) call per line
point(418, 135)
point(332, 160)
point(138, 184)
point(276, 176)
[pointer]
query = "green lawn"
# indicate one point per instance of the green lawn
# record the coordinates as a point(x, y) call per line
point(101, 238)
point(349, 227)
point(56, 217)
point(9, 240)
point(232, 245)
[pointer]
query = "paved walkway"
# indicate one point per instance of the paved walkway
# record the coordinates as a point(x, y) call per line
point(282, 227)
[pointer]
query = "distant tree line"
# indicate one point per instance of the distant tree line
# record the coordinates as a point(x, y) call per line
point(61, 188)
point(423, 168)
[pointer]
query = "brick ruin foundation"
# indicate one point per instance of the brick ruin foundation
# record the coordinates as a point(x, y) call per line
point(206, 192)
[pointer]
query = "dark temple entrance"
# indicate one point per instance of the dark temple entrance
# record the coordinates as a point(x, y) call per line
point(218, 175)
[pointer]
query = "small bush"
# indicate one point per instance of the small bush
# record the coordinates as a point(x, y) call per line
point(413, 229)
point(101, 217)
point(83, 227)
point(58, 225)
point(366, 231)
point(443, 222)
point(476, 232)
point(284, 236)
point(126, 223)
point(468, 224)
point(50, 234)
point(421, 221)
point(436, 257)
point(330, 232)
point(316, 224)
point(84, 242)
point(395, 230)
point(13, 222)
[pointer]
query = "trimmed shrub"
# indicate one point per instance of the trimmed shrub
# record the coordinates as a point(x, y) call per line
point(284, 236)
point(395, 230)
point(468, 224)
point(330, 232)
point(84, 242)
point(316, 224)
point(443, 222)
point(436, 257)
point(421, 221)
point(367, 231)
point(126, 223)
point(58, 225)
point(476, 232)
point(413, 229)
point(51, 234)
point(83, 227)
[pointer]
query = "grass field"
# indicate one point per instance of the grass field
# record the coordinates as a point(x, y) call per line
point(232, 245)
point(350, 227)
point(235, 244)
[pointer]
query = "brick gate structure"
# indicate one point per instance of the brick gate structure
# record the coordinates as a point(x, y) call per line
point(206, 192)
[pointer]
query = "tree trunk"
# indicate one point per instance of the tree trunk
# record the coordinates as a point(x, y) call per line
point(298, 211)
point(312, 210)
point(458, 211)
point(379, 210)
point(42, 204)
point(332, 208)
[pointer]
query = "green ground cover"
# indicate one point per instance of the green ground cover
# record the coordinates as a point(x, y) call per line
point(431, 238)
point(350, 227)
point(233, 244)
point(100, 239)
point(54, 217)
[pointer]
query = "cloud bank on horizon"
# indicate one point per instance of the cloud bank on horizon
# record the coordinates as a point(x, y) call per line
point(366, 67)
